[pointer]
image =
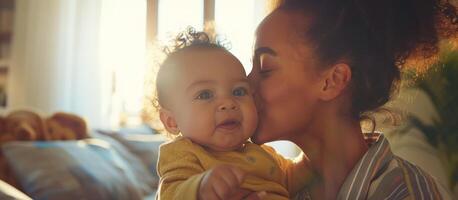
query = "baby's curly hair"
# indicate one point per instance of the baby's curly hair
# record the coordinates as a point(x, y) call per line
point(189, 39)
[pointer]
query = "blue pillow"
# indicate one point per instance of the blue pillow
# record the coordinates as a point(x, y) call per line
point(85, 169)
point(137, 162)
point(145, 147)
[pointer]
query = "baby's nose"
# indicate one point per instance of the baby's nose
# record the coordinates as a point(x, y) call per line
point(228, 105)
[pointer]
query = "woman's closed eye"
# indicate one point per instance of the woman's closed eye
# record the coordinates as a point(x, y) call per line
point(265, 62)
point(240, 91)
point(265, 71)
point(204, 95)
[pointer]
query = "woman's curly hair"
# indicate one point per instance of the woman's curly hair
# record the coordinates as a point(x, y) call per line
point(377, 38)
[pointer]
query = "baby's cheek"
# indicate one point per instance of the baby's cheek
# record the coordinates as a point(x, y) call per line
point(251, 119)
point(199, 124)
point(193, 122)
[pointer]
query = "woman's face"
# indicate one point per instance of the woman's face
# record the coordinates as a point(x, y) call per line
point(285, 79)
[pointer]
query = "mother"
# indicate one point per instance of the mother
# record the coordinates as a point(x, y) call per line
point(320, 65)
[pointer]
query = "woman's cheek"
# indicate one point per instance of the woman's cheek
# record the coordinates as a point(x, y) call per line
point(274, 93)
point(274, 99)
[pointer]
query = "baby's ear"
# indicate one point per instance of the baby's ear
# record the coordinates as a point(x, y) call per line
point(168, 119)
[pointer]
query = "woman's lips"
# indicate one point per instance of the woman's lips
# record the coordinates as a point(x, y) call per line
point(228, 125)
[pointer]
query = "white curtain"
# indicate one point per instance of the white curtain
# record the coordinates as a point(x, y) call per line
point(55, 64)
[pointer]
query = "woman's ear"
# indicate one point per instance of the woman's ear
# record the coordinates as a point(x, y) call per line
point(336, 79)
point(168, 119)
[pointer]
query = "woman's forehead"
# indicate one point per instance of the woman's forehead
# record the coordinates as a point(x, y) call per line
point(279, 27)
point(283, 31)
point(271, 27)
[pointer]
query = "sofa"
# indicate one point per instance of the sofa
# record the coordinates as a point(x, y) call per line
point(58, 157)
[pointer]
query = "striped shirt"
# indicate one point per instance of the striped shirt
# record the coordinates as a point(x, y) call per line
point(382, 175)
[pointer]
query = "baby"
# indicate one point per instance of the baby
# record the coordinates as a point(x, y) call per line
point(205, 100)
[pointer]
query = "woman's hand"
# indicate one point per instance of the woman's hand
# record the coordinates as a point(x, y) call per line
point(223, 183)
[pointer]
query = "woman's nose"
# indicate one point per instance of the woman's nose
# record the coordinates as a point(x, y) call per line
point(228, 105)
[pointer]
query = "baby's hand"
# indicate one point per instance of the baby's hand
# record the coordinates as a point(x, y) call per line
point(220, 182)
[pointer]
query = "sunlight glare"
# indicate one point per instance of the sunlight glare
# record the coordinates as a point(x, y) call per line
point(123, 36)
point(239, 27)
point(176, 15)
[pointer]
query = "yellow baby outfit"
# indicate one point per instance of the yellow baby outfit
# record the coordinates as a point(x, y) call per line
point(182, 164)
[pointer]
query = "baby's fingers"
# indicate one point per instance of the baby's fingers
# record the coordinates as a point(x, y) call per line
point(230, 186)
point(238, 173)
point(256, 196)
point(241, 194)
point(223, 190)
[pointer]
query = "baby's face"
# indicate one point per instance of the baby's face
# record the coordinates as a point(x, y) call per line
point(212, 101)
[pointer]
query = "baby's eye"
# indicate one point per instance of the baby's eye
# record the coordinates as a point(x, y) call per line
point(239, 91)
point(205, 95)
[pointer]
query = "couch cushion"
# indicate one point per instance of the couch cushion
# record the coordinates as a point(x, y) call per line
point(137, 160)
point(85, 169)
point(145, 147)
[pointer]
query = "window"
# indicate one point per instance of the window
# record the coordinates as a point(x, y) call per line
point(122, 50)
point(236, 20)
point(175, 15)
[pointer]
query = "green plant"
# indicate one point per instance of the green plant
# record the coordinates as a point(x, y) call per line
point(440, 82)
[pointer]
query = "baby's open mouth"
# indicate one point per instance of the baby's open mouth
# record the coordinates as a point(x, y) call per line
point(229, 124)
